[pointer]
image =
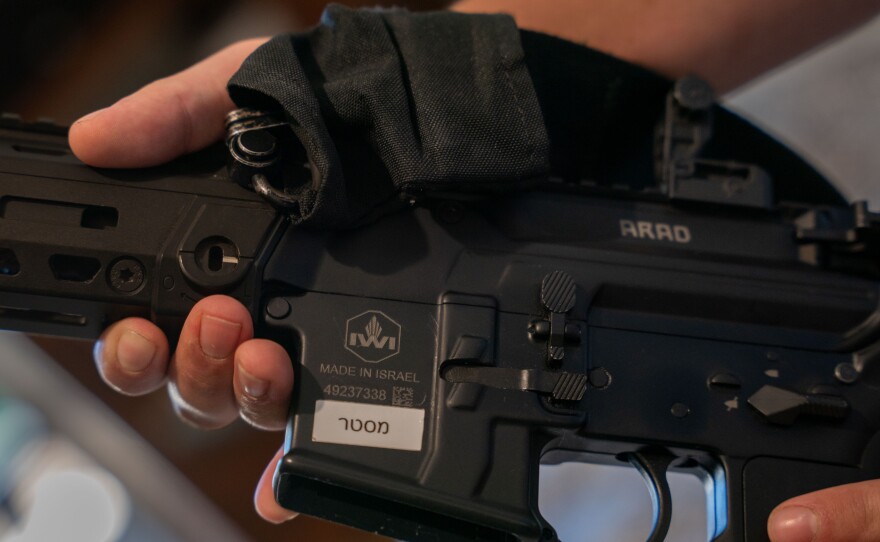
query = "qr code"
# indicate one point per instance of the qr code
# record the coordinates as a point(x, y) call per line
point(402, 396)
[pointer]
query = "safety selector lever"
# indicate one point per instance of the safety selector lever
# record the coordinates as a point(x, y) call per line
point(558, 296)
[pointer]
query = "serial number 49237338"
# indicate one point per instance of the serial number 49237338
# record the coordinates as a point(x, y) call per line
point(355, 392)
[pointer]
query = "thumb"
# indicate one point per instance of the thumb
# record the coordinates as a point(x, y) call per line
point(264, 498)
point(167, 118)
point(849, 513)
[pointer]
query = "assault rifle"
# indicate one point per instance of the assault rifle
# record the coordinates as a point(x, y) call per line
point(443, 352)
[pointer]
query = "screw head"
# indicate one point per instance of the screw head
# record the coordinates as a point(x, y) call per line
point(693, 93)
point(846, 373)
point(680, 410)
point(126, 275)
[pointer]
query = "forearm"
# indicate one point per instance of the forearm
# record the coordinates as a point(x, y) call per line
point(727, 43)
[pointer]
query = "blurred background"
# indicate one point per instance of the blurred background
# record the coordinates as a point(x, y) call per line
point(80, 462)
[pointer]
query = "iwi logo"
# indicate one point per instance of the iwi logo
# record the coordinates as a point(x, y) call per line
point(372, 336)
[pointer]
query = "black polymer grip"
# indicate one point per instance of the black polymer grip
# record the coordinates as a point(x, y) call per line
point(681, 315)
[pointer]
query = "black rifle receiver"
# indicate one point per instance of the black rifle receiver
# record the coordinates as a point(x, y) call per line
point(442, 353)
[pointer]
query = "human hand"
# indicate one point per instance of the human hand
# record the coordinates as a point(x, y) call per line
point(848, 513)
point(219, 370)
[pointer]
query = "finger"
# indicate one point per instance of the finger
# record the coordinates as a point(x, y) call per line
point(264, 497)
point(849, 513)
point(202, 367)
point(165, 119)
point(263, 383)
point(132, 356)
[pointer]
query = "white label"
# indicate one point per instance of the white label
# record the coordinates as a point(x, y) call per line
point(362, 424)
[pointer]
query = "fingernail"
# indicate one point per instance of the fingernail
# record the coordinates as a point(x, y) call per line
point(218, 337)
point(793, 524)
point(90, 116)
point(253, 386)
point(134, 352)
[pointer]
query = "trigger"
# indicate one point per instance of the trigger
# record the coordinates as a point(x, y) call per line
point(653, 463)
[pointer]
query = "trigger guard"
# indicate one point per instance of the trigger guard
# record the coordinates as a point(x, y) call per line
point(653, 464)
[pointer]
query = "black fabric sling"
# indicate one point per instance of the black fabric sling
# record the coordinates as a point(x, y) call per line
point(385, 101)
